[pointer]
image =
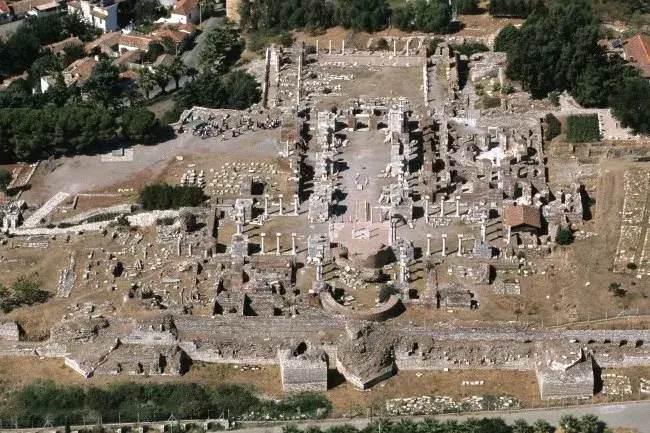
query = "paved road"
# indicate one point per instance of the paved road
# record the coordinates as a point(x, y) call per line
point(631, 414)
point(191, 57)
point(634, 415)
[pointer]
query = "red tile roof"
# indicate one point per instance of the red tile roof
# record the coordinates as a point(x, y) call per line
point(185, 7)
point(116, 38)
point(187, 28)
point(515, 216)
point(57, 47)
point(79, 71)
point(637, 49)
point(20, 7)
point(4, 9)
point(133, 75)
point(174, 35)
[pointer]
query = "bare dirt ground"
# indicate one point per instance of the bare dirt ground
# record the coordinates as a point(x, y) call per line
point(150, 164)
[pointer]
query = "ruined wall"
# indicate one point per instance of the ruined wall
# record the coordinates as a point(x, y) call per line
point(358, 381)
point(214, 356)
point(391, 308)
point(9, 331)
point(232, 10)
point(302, 373)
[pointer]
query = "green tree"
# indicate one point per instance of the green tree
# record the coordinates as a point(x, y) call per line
point(72, 52)
point(139, 125)
point(521, 426)
point(630, 104)
point(590, 423)
point(102, 85)
point(466, 7)
point(176, 70)
point(427, 16)
point(542, 426)
point(5, 179)
point(362, 15)
point(221, 48)
point(506, 39)
point(28, 292)
point(132, 95)
point(161, 76)
point(570, 424)
point(146, 81)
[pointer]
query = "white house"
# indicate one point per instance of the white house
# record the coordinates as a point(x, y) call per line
point(186, 11)
point(102, 14)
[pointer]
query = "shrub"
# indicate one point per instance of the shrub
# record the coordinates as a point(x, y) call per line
point(582, 128)
point(469, 48)
point(164, 196)
point(553, 127)
point(22, 292)
point(166, 221)
point(632, 266)
point(433, 44)
point(286, 39)
point(488, 102)
point(382, 44)
point(385, 291)
point(564, 236)
point(554, 98)
point(615, 289)
point(327, 91)
point(5, 179)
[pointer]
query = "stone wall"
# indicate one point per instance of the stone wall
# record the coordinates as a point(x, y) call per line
point(302, 373)
point(9, 331)
point(232, 10)
point(391, 308)
point(360, 383)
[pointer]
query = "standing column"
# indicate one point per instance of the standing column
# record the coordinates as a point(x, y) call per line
point(390, 232)
point(442, 206)
point(444, 245)
point(330, 46)
point(457, 206)
point(460, 246)
point(426, 208)
point(509, 235)
point(319, 270)
point(277, 243)
point(266, 206)
point(483, 230)
point(295, 204)
point(343, 47)
point(281, 196)
point(428, 244)
point(293, 244)
point(316, 46)
point(394, 47)
point(262, 236)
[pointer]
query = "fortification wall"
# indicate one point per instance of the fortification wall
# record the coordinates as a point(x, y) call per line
point(213, 356)
point(415, 363)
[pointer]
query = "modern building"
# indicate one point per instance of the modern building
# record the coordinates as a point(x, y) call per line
point(636, 50)
point(74, 75)
point(186, 11)
point(101, 14)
